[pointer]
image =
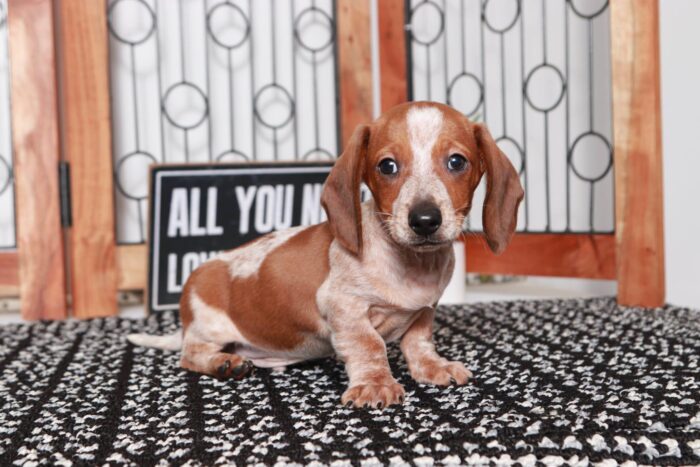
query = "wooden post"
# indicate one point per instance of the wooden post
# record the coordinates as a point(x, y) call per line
point(36, 156)
point(354, 64)
point(132, 265)
point(87, 144)
point(9, 274)
point(392, 53)
point(634, 26)
point(538, 254)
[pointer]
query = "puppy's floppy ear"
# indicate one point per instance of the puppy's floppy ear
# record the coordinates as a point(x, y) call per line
point(503, 192)
point(341, 193)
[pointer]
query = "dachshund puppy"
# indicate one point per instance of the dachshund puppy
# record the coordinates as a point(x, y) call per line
point(371, 274)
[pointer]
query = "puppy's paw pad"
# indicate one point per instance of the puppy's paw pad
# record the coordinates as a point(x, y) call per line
point(443, 374)
point(242, 370)
point(377, 396)
point(224, 370)
point(236, 368)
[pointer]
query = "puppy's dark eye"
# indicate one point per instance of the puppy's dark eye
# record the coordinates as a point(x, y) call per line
point(457, 163)
point(388, 167)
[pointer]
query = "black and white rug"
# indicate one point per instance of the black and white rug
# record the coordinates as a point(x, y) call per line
point(570, 381)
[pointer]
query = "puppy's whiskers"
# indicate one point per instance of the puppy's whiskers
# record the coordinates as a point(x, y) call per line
point(385, 221)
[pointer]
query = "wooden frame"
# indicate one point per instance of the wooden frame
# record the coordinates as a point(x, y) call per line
point(392, 53)
point(354, 64)
point(9, 273)
point(132, 267)
point(638, 242)
point(35, 133)
point(87, 144)
point(638, 153)
point(563, 255)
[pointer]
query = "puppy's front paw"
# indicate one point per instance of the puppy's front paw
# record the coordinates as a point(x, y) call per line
point(379, 395)
point(441, 372)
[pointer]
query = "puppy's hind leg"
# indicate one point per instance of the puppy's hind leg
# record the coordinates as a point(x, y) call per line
point(210, 359)
point(207, 328)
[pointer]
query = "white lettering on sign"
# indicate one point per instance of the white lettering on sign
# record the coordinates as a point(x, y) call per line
point(173, 285)
point(177, 223)
point(284, 202)
point(311, 210)
point(245, 199)
point(196, 230)
point(264, 205)
point(212, 204)
point(184, 213)
point(273, 207)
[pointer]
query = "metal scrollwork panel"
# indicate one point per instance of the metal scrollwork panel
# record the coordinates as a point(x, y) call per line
point(7, 194)
point(217, 80)
point(537, 72)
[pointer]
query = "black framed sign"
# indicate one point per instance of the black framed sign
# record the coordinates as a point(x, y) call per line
point(197, 211)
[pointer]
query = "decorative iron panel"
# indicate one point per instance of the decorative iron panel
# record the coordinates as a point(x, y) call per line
point(7, 185)
point(217, 80)
point(537, 72)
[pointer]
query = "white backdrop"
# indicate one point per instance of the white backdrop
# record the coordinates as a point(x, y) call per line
point(680, 99)
point(7, 199)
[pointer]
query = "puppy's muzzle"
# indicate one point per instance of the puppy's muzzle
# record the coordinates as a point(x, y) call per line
point(424, 218)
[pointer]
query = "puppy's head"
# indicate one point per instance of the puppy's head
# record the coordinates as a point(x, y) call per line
point(422, 162)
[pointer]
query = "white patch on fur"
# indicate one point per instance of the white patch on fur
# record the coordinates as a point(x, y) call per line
point(245, 261)
point(167, 342)
point(211, 324)
point(424, 127)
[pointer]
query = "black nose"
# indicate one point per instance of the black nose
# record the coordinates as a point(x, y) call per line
point(424, 218)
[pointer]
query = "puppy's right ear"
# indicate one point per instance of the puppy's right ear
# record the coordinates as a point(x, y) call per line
point(341, 193)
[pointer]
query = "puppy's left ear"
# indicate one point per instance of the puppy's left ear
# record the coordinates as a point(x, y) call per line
point(503, 192)
point(341, 193)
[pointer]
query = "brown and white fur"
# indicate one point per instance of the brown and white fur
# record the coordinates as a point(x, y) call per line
point(366, 277)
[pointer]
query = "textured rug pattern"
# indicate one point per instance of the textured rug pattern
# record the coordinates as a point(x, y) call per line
point(576, 381)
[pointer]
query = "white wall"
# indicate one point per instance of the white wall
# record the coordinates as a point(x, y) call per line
point(7, 201)
point(680, 87)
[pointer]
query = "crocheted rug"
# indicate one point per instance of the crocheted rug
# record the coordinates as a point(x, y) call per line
point(576, 381)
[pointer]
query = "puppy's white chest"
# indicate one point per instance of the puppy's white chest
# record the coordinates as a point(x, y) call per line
point(410, 291)
point(400, 279)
